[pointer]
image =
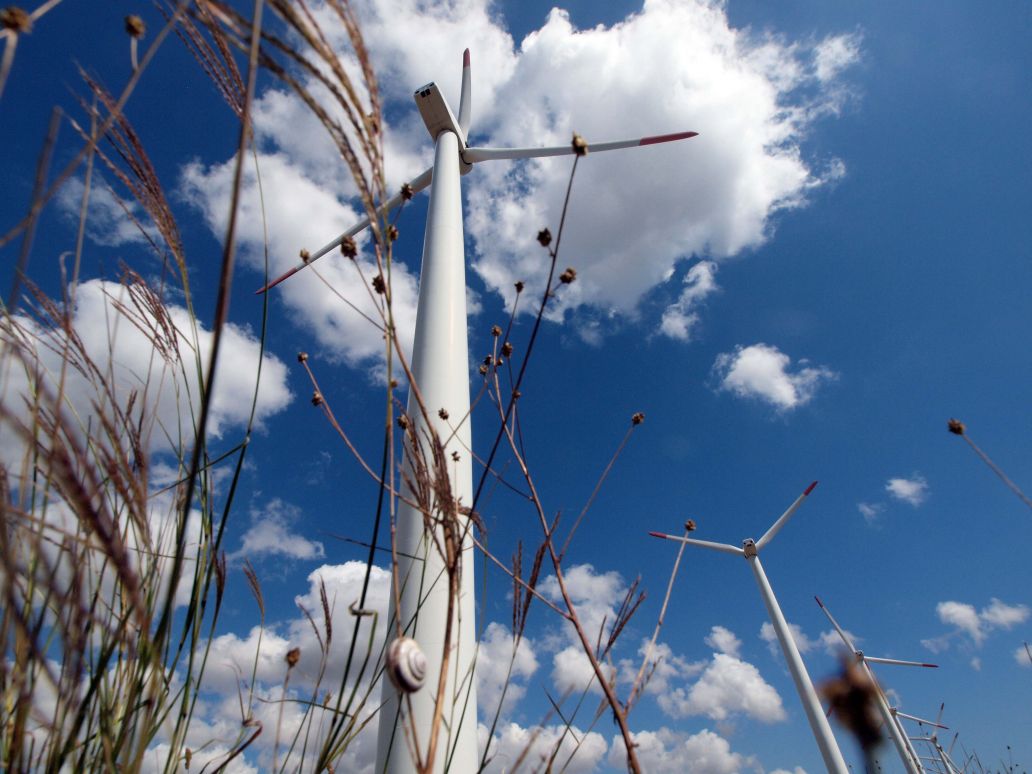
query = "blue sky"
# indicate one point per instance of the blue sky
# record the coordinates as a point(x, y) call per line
point(810, 289)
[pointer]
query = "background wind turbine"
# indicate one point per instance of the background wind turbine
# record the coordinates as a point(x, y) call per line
point(440, 369)
point(751, 551)
point(942, 757)
point(907, 753)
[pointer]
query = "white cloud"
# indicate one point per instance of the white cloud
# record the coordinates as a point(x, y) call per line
point(594, 595)
point(870, 511)
point(669, 67)
point(1000, 615)
point(724, 641)
point(301, 214)
point(126, 367)
point(672, 66)
point(796, 770)
point(671, 752)
point(272, 534)
point(499, 662)
point(680, 318)
point(1022, 656)
point(728, 686)
point(110, 220)
point(663, 667)
point(832, 55)
point(763, 372)
point(913, 490)
point(572, 672)
point(534, 746)
point(233, 655)
point(977, 625)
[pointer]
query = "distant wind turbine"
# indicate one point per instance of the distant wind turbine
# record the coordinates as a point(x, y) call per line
point(804, 686)
point(440, 370)
point(907, 753)
point(941, 756)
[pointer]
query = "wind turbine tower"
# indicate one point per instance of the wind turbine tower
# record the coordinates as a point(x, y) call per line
point(750, 550)
point(440, 370)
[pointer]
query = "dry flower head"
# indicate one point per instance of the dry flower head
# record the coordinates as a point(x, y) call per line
point(134, 26)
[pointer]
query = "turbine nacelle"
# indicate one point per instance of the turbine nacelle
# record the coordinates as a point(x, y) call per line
point(438, 117)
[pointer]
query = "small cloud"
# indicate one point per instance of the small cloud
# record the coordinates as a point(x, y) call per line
point(1003, 616)
point(680, 318)
point(962, 616)
point(727, 687)
point(764, 372)
point(803, 643)
point(271, 534)
point(976, 664)
point(976, 624)
point(834, 54)
point(913, 490)
point(870, 512)
point(1023, 655)
point(724, 641)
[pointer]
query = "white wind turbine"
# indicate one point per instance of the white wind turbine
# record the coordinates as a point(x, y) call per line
point(907, 753)
point(440, 369)
point(932, 740)
point(804, 686)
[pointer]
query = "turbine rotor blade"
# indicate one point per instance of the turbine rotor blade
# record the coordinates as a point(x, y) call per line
point(723, 547)
point(841, 633)
point(415, 185)
point(464, 100)
point(899, 662)
point(473, 155)
point(783, 519)
point(916, 719)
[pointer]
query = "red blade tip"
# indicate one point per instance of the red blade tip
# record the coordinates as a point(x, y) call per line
point(465, 58)
point(280, 279)
point(818, 600)
point(810, 488)
point(657, 534)
point(667, 138)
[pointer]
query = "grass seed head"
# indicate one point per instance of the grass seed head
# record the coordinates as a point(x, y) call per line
point(496, 331)
point(483, 370)
point(544, 237)
point(305, 255)
point(348, 248)
point(443, 413)
point(568, 276)
point(956, 427)
point(637, 418)
point(317, 398)
point(403, 421)
point(689, 526)
point(392, 232)
point(507, 349)
point(379, 285)
point(519, 286)
point(292, 657)
point(406, 192)
point(455, 456)
point(302, 357)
